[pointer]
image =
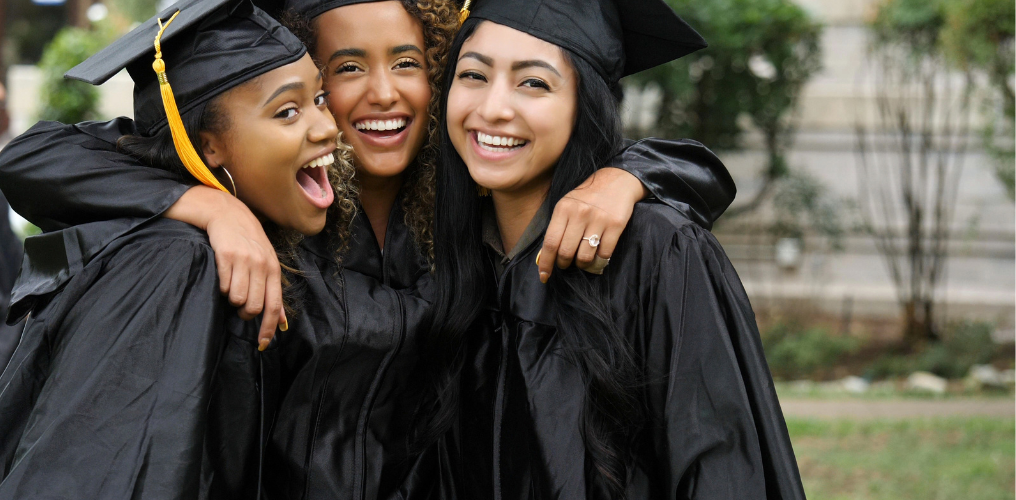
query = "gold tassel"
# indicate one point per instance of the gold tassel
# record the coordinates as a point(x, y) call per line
point(482, 191)
point(464, 13)
point(184, 149)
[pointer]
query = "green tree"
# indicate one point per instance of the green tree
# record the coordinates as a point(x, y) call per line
point(760, 55)
point(978, 36)
point(63, 100)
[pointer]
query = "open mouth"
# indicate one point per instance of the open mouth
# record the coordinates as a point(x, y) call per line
point(382, 128)
point(499, 144)
point(313, 178)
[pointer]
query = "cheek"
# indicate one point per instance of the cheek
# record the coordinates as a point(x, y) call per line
point(342, 98)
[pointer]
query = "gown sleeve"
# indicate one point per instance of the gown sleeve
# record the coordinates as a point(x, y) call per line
point(108, 393)
point(714, 412)
point(58, 175)
point(682, 174)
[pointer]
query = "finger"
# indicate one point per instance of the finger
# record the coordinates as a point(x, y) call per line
point(608, 242)
point(255, 293)
point(570, 243)
point(238, 287)
point(586, 251)
point(274, 313)
point(551, 241)
point(224, 267)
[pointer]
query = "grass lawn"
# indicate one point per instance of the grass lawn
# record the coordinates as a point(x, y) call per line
point(928, 459)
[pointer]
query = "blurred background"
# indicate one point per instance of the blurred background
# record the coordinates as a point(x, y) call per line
point(872, 142)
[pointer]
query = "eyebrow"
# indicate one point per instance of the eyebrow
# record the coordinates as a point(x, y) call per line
point(515, 66)
point(534, 63)
point(405, 48)
point(479, 57)
point(347, 52)
point(283, 89)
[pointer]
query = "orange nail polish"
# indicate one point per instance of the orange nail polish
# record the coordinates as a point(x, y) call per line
point(263, 344)
point(538, 256)
point(544, 276)
point(285, 325)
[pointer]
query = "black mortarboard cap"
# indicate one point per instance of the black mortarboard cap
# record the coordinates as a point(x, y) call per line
point(211, 46)
point(314, 8)
point(618, 37)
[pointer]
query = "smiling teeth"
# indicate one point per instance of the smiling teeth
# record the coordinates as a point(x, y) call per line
point(381, 125)
point(325, 160)
point(497, 141)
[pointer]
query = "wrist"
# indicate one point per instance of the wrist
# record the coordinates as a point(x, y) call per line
point(200, 206)
point(628, 183)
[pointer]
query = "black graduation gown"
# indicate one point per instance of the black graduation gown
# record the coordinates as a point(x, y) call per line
point(347, 364)
point(10, 262)
point(715, 429)
point(134, 378)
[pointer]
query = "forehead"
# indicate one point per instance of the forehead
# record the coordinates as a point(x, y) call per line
point(508, 44)
point(371, 22)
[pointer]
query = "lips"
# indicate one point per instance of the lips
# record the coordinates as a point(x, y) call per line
point(381, 128)
point(496, 148)
point(313, 179)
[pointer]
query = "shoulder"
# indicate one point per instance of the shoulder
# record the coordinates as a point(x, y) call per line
point(658, 234)
point(163, 243)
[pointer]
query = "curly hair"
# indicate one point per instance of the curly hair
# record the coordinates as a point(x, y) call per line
point(439, 19)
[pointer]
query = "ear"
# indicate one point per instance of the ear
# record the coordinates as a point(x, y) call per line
point(213, 149)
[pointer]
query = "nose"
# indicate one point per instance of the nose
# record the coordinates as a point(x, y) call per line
point(497, 104)
point(322, 127)
point(382, 91)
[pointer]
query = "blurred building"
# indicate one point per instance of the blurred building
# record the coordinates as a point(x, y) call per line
point(980, 281)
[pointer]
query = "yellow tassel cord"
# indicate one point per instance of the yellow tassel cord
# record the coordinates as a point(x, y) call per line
point(464, 13)
point(184, 149)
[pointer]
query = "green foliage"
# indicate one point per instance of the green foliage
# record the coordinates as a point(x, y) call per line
point(761, 52)
point(66, 100)
point(974, 36)
point(979, 36)
point(963, 345)
point(794, 353)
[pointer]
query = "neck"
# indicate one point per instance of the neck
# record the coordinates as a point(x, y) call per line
point(515, 210)
point(377, 197)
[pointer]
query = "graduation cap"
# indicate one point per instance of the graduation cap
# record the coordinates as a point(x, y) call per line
point(314, 8)
point(618, 37)
point(204, 47)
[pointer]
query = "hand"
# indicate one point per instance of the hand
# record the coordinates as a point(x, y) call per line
point(248, 267)
point(602, 206)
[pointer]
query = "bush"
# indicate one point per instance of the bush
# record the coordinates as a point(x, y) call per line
point(795, 353)
point(63, 100)
point(964, 345)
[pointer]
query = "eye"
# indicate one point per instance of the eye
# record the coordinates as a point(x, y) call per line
point(407, 63)
point(472, 75)
point(321, 99)
point(536, 83)
point(288, 113)
point(347, 68)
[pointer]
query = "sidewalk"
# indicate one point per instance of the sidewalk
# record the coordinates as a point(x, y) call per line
point(897, 409)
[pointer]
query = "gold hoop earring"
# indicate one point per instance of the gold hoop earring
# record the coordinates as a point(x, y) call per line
point(223, 167)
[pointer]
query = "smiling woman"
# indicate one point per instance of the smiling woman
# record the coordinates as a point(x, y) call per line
point(647, 382)
point(133, 378)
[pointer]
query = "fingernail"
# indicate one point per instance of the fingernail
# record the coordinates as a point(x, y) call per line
point(263, 344)
point(538, 256)
point(544, 276)
point(285, 325)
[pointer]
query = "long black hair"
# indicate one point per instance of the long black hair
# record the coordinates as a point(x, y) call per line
point(612, 412)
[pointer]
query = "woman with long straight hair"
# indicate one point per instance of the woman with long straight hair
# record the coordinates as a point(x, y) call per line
point(646, 382)
point(133, 377)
